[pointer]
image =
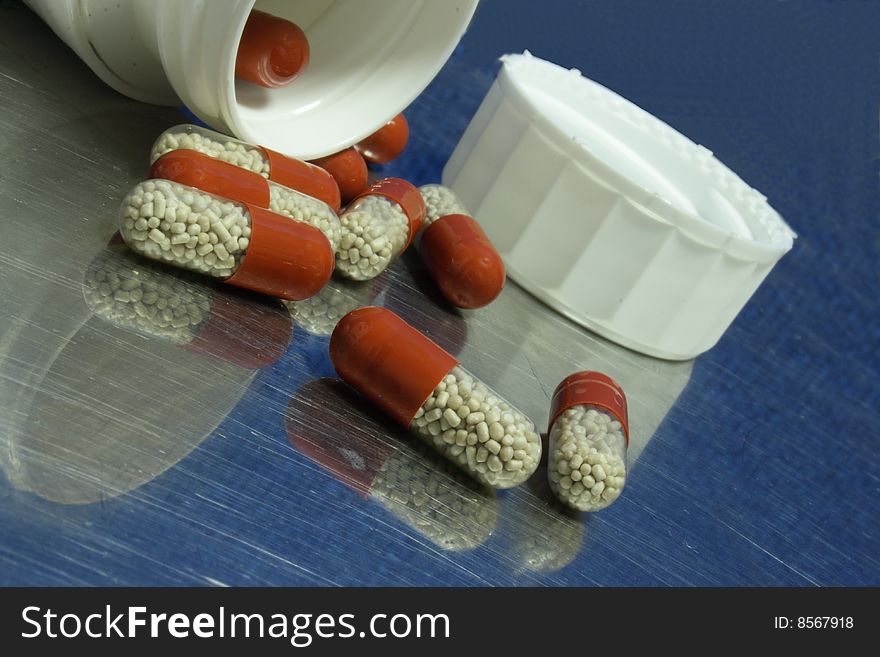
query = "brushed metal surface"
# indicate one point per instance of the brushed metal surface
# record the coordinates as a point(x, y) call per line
point(219, 456)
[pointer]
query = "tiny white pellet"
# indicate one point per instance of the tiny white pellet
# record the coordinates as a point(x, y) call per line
point(451, 417)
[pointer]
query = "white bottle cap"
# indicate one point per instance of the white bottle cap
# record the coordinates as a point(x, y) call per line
point(610, 216)
point(369, 60)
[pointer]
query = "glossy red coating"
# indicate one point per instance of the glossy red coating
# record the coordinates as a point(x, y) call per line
point(388, 361)
point(272, 52)
point(348, 170)
point(285, 258)
point(590, 389)
point(307, 178)
point(387, 142)
point(208, 174)
point(462, 261)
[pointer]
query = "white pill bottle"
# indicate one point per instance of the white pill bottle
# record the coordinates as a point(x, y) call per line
point(369, 60)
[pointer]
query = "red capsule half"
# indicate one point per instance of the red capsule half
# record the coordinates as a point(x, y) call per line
point(388, 361)
point(272, 51)
point(307, 178)
point(285, 258)
point(590, 389)
point(348, 170)
point(214, 176)
point(462, 261)
point(387, 142)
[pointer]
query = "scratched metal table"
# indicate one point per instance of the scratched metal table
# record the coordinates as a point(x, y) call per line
point(223, 454)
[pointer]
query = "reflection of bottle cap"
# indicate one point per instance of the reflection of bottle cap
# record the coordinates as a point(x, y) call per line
point(590, 389)
point(245, 333)
point(312, 422)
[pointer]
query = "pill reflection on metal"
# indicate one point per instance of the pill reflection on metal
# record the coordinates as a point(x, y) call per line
point(544, 536)
point(307, 178)
point(426, 310)
point(331, 425)
point(136, 294)
point(320, 314)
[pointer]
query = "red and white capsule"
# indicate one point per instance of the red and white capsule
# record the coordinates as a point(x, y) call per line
point(215, 176)
point(588, 438)
point(457, 253)
point(424, 388)
point(307, 178)
point(239, 243)
point(328, 422)
point(377, 227)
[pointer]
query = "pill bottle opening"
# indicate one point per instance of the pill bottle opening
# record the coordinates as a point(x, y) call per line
point(640, 152)
point(374, 56)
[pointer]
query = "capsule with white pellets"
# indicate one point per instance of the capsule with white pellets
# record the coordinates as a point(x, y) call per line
point(239, 243)
point(377, 226)
point(195, 169)
point(424, 388)
point(588, 438)
point(302, 176)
